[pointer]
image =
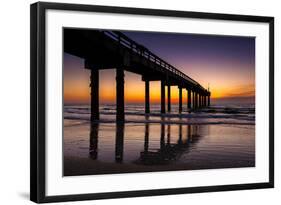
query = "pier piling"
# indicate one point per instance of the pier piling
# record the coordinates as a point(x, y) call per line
point(169, 98)
point(188, 98)
point(94, 94)
point(120, 114)
point(147, 107)
point(162, 96)
point(180, 99)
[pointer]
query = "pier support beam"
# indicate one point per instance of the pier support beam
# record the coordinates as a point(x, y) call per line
point(199, 96)
point(120, 116)
point(193, 99)
point(169, 98)
point(94, 94)
point(208, 100)
point(180, 99)
point(162, 96)
point(196, 100)
point(147, 107)
point(205, 101)
point(189, 99)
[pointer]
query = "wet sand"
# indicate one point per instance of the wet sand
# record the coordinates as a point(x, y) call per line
point(75, 166)
point(110, 149)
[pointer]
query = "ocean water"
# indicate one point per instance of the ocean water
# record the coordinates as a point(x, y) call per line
point(209, 138)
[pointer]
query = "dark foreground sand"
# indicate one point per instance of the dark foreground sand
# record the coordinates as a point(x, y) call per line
point(74, 166)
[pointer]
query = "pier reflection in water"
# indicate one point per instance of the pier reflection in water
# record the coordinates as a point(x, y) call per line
point(167, 151)
point(119, 143)
point(167, 146)
point(94, 141)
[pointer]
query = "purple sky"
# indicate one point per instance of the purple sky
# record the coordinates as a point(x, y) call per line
point(227, 63)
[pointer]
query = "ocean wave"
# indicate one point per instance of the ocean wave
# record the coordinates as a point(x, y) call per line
point(169, 115)
point(156, 109)
point(169, 122)
point(135, 114)
point(197, 120)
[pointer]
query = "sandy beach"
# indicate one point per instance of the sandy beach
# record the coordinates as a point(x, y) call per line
point(177, 144)
point(75, 166)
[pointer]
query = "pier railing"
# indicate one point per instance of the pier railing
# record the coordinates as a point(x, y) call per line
point(144, 52)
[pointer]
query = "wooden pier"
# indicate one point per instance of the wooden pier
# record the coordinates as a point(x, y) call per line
point(112, 49)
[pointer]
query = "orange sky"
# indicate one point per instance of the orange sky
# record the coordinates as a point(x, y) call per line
point(225, 63)
point(77, 90)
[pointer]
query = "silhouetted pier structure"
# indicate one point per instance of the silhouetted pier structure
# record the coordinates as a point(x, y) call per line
point(113, 49)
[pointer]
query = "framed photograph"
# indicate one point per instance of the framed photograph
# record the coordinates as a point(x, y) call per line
point(129, 102)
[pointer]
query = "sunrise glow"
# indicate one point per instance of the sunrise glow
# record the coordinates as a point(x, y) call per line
point(225, 64)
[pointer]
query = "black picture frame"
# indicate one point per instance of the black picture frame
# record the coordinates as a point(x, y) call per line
point(38, 103)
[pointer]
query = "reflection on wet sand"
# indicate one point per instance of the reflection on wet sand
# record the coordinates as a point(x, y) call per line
point(166, 153)
point(94, 141)
point(119, 143)
point(110, 148)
